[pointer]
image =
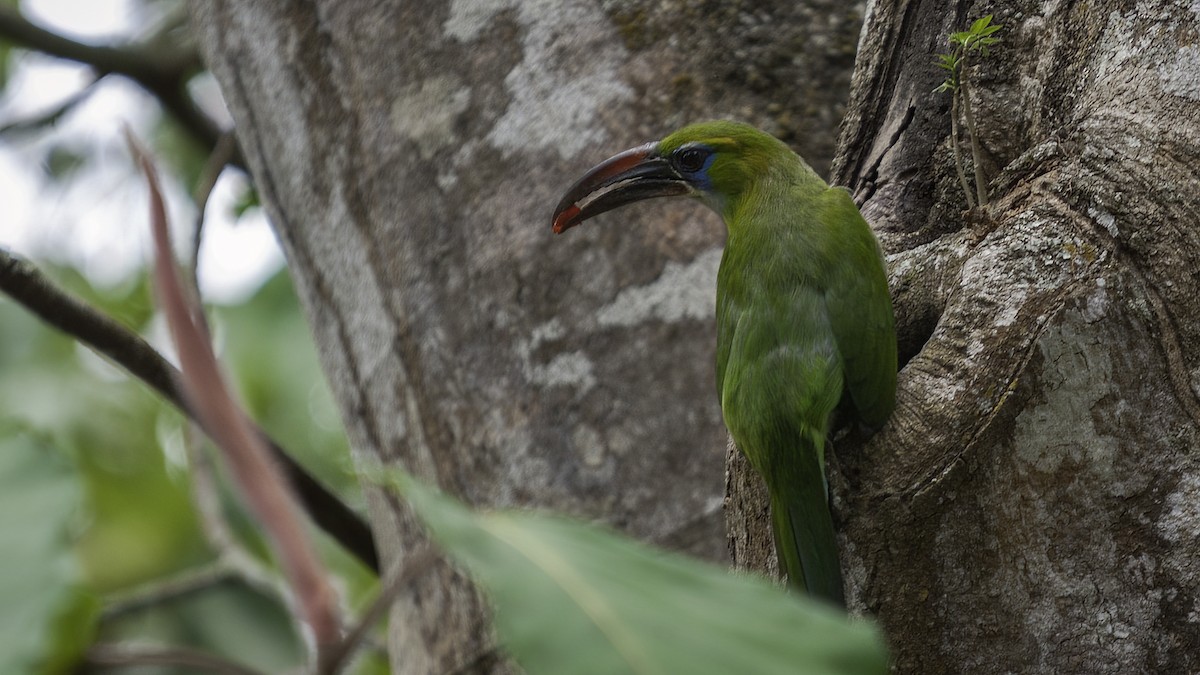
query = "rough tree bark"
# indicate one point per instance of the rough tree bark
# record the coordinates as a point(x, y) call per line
point(1034, 504)
point(409, 155)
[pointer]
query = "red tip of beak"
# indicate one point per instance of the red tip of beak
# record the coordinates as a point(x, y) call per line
point(564, 219)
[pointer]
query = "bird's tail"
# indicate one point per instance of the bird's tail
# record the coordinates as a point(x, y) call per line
point(805, 541)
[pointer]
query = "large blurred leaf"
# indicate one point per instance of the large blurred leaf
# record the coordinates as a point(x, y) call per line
point(574, 599)
point(46, 616)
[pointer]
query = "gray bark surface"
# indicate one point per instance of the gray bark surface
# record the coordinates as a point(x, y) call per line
point(409, 156)
point(1033, 505)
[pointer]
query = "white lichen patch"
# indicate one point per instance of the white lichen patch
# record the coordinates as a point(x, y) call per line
point(1097, 303)
point(571, 369)
point(680, 292)
point(1180, 524)
point(568, 72)
point(424, 112)
point(1076, 374)
point(1181, 76)
point(1104, 218)
point(1118, 33)
point(469, 17)
point(1007, 269)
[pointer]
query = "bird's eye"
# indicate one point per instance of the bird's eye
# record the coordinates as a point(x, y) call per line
point(690, 160)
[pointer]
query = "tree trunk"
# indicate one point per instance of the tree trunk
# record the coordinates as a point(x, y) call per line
point(409, 156)
point(1034, 503)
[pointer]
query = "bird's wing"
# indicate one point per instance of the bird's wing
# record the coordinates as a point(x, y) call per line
point(860, 311)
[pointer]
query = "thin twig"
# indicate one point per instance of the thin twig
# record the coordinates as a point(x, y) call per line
point(976, 149)
point(130, 656)
point(957, 149)
point(24, 283)
point(259, 482)
point(51, 116)
point(158, 592)
point(129, 60)
point(409, 569)
point(206, 496)
point(220, 157)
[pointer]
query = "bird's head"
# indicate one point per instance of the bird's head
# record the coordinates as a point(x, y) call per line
point(716, 162)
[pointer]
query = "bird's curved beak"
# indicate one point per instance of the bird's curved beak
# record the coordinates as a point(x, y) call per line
point(636, 174)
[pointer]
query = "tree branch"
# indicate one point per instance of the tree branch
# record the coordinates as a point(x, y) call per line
point(51, 116)
point(412, 567)
point(24, 283)
point(157, 592)
point(129, 656)
point(20, 31)
point(163, 70)
point(220, 157)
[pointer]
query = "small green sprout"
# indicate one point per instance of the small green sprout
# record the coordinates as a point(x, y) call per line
point(976, 40)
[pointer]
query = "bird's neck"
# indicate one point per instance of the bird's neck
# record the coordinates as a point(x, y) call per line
point(785, 184)
point(774, 211)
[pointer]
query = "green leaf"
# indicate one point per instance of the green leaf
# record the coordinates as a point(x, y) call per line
point(960, 38)
point(48, 616)
point(980, 24)
point(574, 599)
point(947, 62)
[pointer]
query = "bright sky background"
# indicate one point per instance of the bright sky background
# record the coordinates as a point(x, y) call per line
point(96, 220)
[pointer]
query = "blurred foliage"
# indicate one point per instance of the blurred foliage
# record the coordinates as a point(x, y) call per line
point(48, 614)
point(135, 525)
point(127, 444)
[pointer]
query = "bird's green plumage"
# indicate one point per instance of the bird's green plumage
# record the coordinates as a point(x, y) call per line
point(804, 320)
point(803, 317)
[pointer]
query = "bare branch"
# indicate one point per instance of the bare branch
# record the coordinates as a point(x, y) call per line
point(129, 656)
point(158, 592)
point(24, 283)
point(220, 157)
point(409, 569)
point(162, 69)
point(206, 496)
point(127, 61)
point(257, 477)
point(51, 116)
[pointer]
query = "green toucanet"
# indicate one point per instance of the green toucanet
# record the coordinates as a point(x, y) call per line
point(804, 319)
